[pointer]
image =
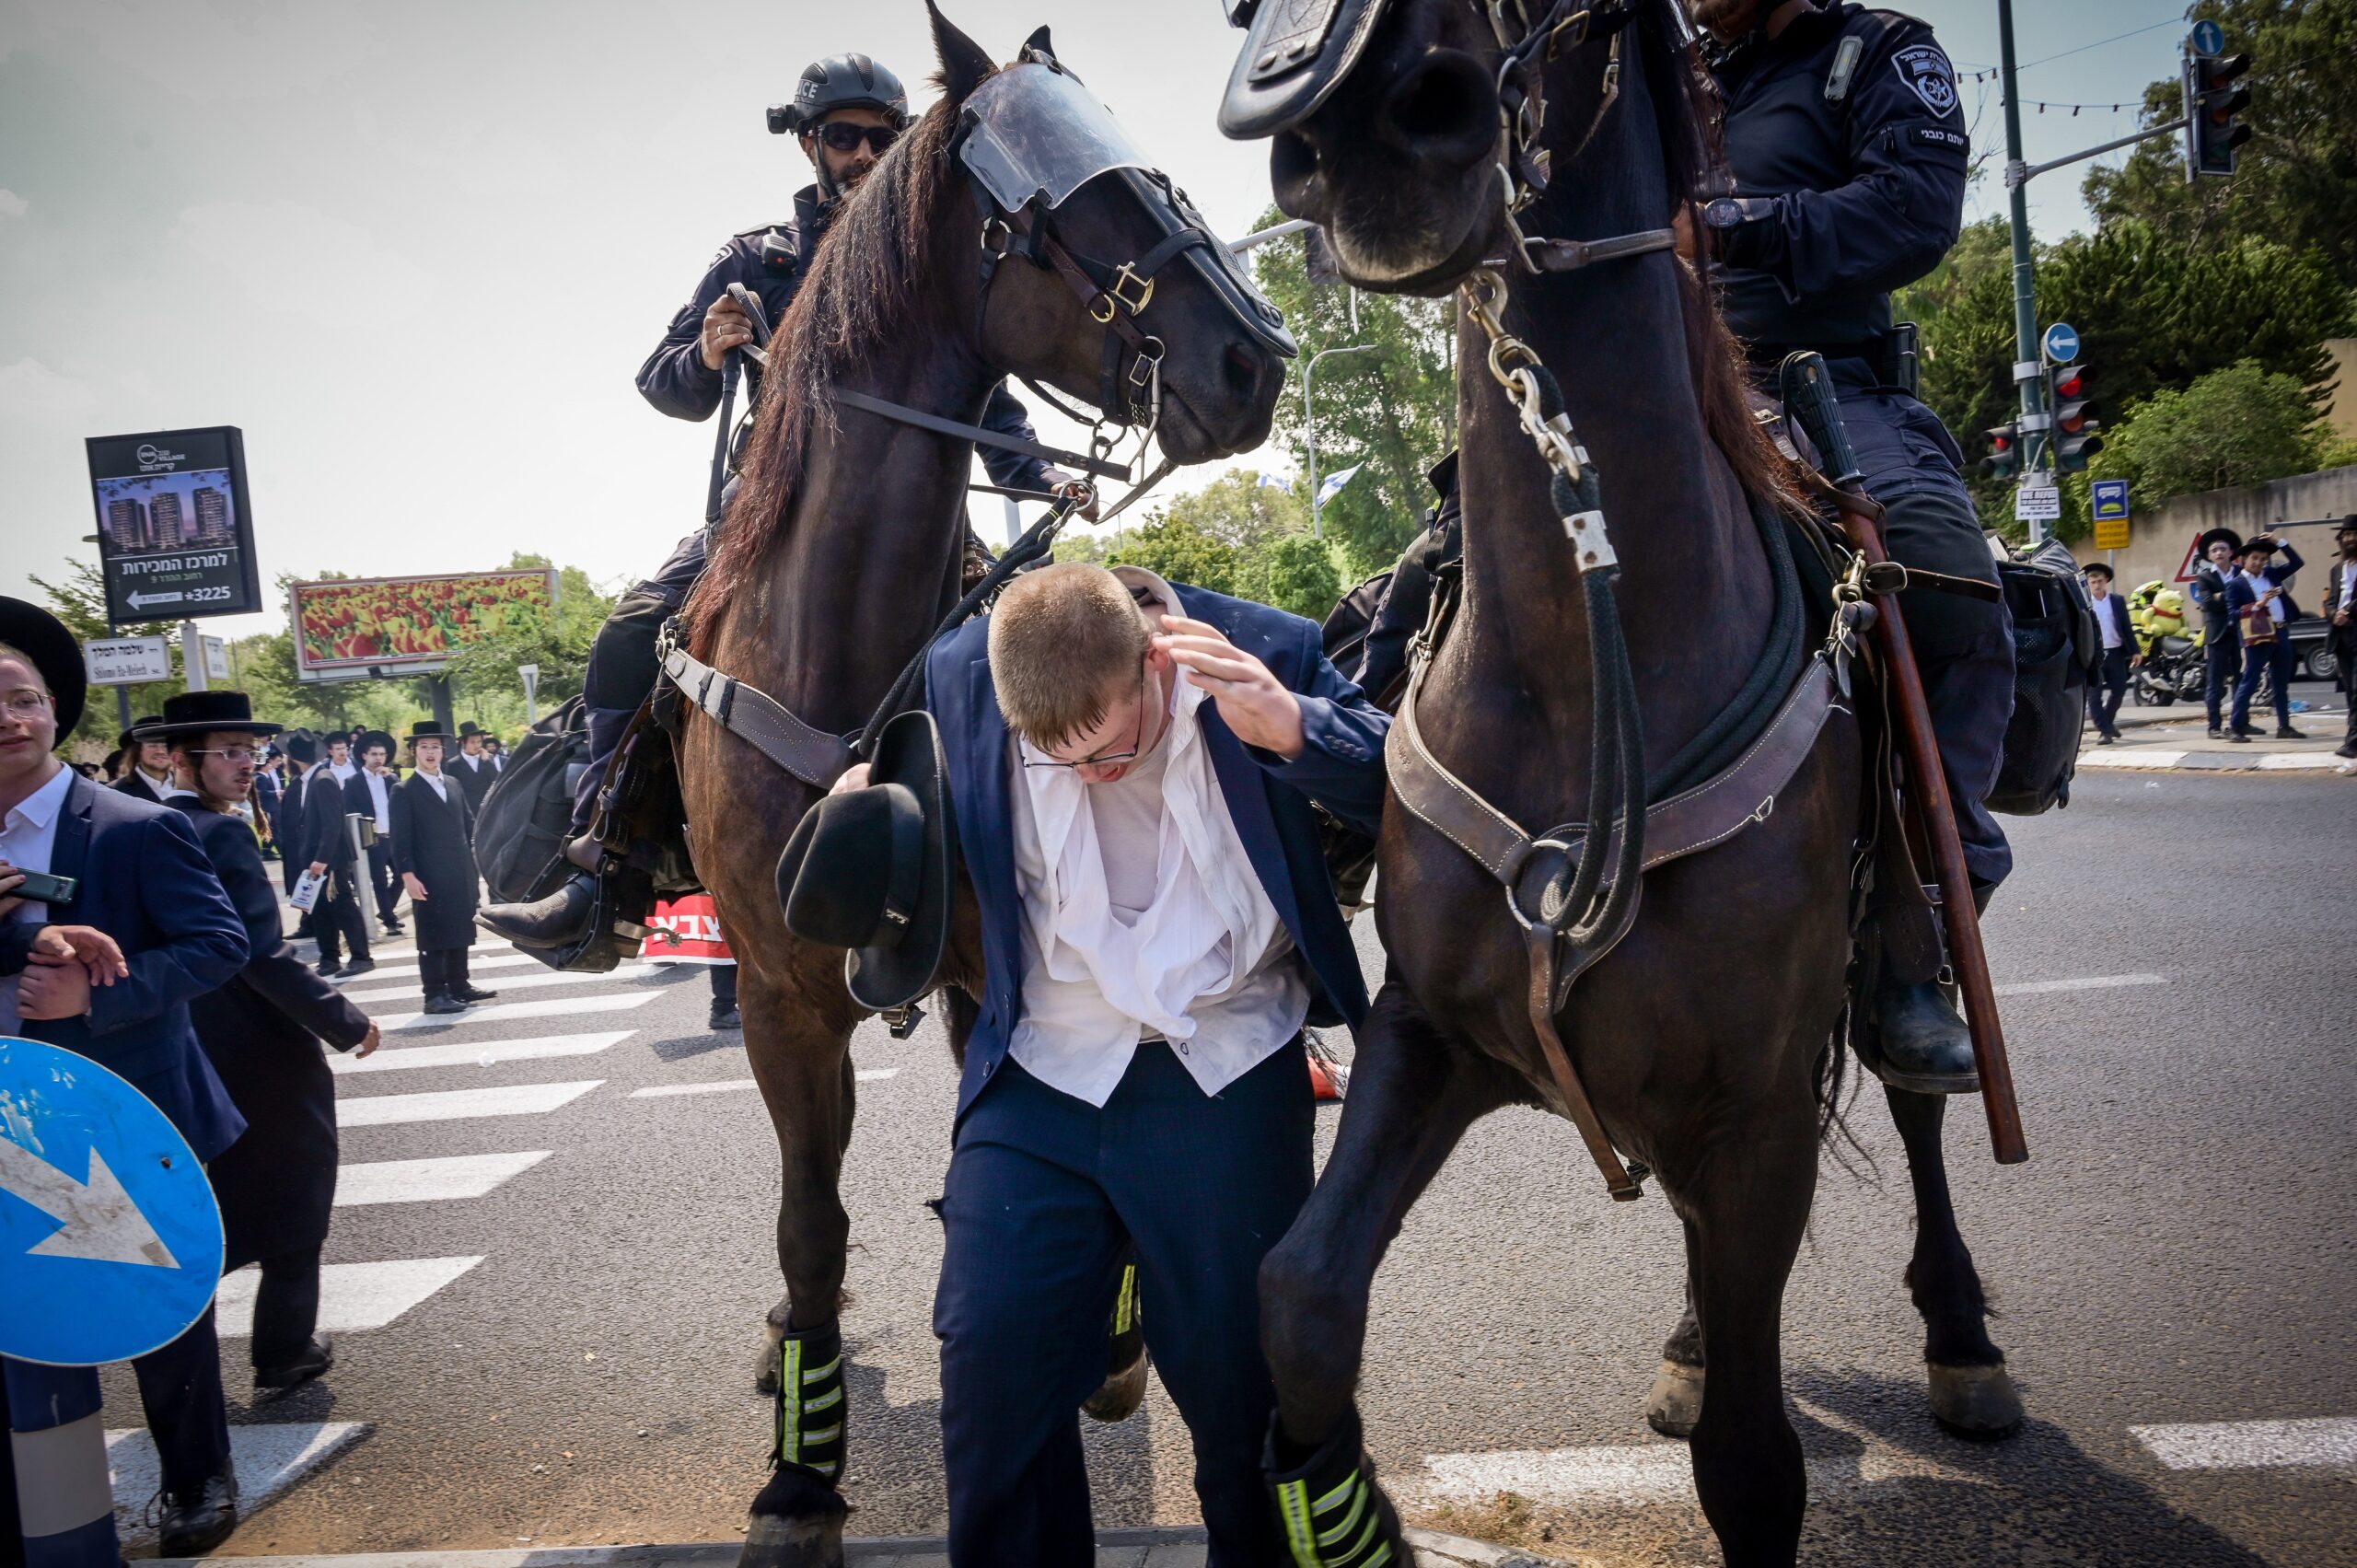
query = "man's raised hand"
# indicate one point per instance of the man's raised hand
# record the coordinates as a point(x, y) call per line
point(1261, 709)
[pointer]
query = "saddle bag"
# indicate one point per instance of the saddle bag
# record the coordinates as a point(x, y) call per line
point(521, 830)
point(2056, 651)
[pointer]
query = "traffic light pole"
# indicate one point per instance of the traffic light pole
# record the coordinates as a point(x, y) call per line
point(2034, 444)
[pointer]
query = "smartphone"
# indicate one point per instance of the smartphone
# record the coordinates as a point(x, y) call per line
point(42, 887)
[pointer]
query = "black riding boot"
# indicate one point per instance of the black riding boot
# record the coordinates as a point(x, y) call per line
point(563, 917)
point(1921, 1044)
point(1333, 1513)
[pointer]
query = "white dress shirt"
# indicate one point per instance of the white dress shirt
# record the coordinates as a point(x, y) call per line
point(384, 802)
point(2109, 627)
point(441, 784)
point(1195, 955)
point(2260, 584)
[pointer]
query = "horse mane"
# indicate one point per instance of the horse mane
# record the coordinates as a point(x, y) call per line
point(862, 289)
point(1686, 112)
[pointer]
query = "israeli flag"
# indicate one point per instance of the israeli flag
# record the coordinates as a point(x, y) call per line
point(1274, 481)
point(1332, 485)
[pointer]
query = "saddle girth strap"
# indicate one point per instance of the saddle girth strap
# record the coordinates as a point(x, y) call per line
point(815, 756)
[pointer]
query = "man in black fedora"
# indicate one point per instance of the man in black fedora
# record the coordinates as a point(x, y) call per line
point(433, 825)
point(261, 1032)
point(136, 873)
point(302, 753)
point(374, 801)
point(147, 761)
point(2222, 648)
point(2340, 623)
point(472, 767)
point(331, 800)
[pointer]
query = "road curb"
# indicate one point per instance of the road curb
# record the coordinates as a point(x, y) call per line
point(1433, 1549)
point(2162, 758)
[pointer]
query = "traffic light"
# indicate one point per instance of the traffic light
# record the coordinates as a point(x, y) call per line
point(2212, 101)
point(2075, 421)
point(2004, 450)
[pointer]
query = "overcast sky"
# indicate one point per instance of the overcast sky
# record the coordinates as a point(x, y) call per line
point(417, 252)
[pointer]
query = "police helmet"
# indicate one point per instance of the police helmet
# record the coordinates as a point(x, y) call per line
point(839, 81)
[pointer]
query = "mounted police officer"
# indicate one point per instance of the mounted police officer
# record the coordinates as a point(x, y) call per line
point(847, 110)
point(1846, 143)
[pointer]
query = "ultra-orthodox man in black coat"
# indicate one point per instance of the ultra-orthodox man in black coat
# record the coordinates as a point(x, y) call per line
point(433, 830)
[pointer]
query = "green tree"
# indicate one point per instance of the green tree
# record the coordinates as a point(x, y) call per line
point(482, 672)
point(1299, 576)
point(80, 601)
point(2296, 178)
point(1180, 551)
point(1392, 411)
point(2231, 428)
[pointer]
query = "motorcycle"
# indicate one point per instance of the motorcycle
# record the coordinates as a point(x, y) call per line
point(2172, 667)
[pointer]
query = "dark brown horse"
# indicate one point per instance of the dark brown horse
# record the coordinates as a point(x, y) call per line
point(840, 557)
point(1704, 1038)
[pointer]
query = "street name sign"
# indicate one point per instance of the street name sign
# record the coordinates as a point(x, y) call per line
point(2037, 504)
point(216, 657)
point(127, 661)
point(2060, 344)
point(176, 533)
point(109, 1236)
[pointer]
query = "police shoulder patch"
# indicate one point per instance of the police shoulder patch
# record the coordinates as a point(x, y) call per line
point(1926, 70)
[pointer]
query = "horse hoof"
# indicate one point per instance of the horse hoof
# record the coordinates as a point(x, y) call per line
point(1976, 1401)
point(1119, 1397)
point(1675, 1402)
point(796, 1521)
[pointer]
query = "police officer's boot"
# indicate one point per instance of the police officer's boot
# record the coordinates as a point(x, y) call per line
point(562, 918)
point(1921, 1043)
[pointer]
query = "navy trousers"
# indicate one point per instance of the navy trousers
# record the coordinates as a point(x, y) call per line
point(2222, 665)
point(1044, 1195)
point(2104, 694)
point(2259, 660)
point(1965, 648)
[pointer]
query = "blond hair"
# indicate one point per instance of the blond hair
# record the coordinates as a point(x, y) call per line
point(1062, 640)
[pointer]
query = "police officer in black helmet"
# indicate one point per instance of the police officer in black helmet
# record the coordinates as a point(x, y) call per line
point(847, 110)
point(1845, 139)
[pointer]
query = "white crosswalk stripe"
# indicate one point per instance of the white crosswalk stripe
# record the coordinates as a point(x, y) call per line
point(2092, 982)
point(387, 968)
point(509, 1012)
point(728, 1086)
point(2325, 1440)
point(480, 1053)
point(429, 1180)
point(269, 1457)
point(514, 982)
point(353, 1296)
point(460, 1105)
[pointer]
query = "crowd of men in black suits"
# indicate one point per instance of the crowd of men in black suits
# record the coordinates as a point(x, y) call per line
point(167, 963)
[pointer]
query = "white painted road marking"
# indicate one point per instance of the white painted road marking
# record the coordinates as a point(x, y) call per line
point(725, 1086)
point(2320, 760)
point(270, 1457)
point(508, 1012)
point(1647, 1473)
point(515, 981)
point(353, 1296)
point(460, 1105)
point(386, 968)
point(2135, 757)
point(2093, 983)
point(2252, 1444)
point(429, 1180)
point(481, 1053)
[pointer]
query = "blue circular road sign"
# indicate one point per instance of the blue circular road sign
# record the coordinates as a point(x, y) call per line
point(2062, 342)
point(109, 1235)
point(2209, 38)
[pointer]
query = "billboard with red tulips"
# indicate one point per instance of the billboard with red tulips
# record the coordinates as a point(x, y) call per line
point(409, 625)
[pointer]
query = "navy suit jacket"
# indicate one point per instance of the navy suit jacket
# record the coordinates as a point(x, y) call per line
point(2121, 620)
point(2241, 595)
point(146, 882)
point(1340, 767)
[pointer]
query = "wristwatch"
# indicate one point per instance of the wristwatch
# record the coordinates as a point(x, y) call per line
point(1724, 216)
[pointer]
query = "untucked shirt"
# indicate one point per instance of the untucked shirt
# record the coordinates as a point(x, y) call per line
point(2105, 620)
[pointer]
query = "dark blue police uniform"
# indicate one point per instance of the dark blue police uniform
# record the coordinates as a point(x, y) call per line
point(1846, 141)
point(770, 262)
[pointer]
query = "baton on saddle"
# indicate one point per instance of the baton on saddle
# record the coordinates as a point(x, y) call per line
point(1808, 398)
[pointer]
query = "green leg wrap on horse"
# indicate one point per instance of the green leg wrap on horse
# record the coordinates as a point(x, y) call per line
point(810, 1407)
point(1334, 1514)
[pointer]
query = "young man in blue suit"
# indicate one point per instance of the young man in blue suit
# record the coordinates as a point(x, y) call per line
point(141, 878)
point(1132, 766)
point(2120, 654)
point(2258, 586)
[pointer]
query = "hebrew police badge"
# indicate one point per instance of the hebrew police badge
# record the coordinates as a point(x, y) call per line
point(1925, 69)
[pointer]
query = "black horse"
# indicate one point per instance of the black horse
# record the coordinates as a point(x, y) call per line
point(1704, 1038)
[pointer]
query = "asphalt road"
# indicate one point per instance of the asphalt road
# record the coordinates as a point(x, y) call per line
point(2178, 1251)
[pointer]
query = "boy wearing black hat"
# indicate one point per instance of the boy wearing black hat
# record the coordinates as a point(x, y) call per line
point(2120, 654)
point(276, 1185)
point(2262, 611)
point(2222, 650)
point(2341, 618)
point(433, 825)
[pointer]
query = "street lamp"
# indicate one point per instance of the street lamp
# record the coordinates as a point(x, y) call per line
point(1309, 420)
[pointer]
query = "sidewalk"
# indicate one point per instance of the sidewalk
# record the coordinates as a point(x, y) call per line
point(2176, 739)
point(1172, 1548)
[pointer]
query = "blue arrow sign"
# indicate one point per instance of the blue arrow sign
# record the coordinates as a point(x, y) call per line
point(2060, 343)
point(2110, 500)
point(109, 1236)
point(2209, 38)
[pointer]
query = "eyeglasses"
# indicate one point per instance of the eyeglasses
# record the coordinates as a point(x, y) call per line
point(844, 136)
point(1109, 758)
point(27, 704)
point(230, 753)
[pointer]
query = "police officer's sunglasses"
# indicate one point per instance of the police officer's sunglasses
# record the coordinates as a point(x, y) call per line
point(844, 136)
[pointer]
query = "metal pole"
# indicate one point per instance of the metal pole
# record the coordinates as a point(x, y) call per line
point(2034, 446)
point(1309, 426)
point(192, 657)
point(122, 709)
point(438, 688)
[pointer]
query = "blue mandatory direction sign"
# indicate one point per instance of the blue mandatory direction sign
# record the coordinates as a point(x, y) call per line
point(109, 1236)
point(2209, 38)
point(2110, 500)
point(2060, 343)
